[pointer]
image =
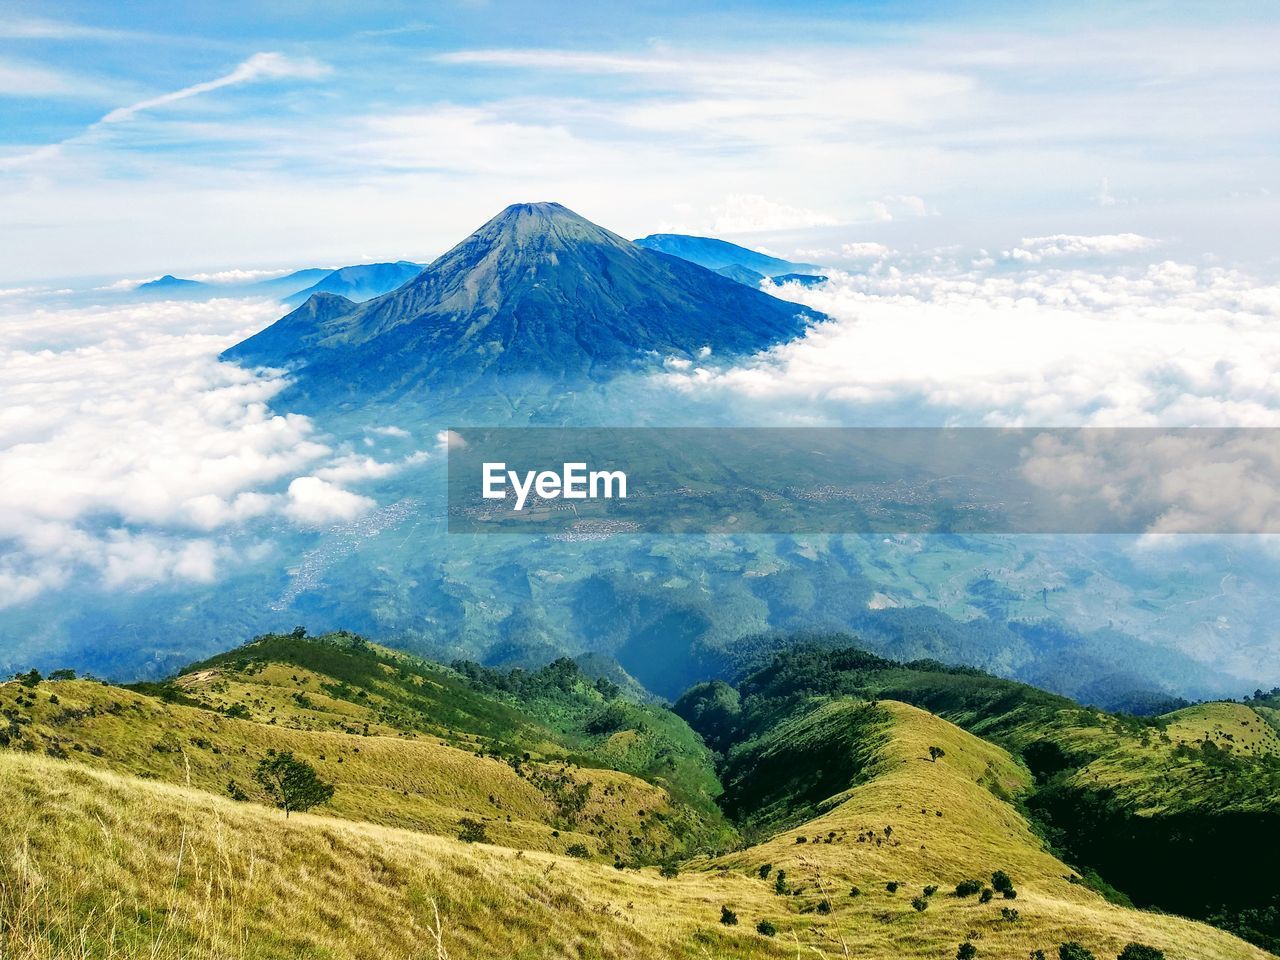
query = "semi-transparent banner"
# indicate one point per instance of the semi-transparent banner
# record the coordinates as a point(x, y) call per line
point(593, 482)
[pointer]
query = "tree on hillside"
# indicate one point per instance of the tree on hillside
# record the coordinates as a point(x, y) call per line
point(1071, 950)
point(1140, 951)
point(935, 753)
point(292, 784)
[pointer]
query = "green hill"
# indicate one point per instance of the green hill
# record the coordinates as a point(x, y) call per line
point(407, 743)
point(1163, 808)
point(543, 814)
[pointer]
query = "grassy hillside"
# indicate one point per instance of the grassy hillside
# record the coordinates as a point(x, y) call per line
point(406, 744)
point(1164, 808)
point(181, 874)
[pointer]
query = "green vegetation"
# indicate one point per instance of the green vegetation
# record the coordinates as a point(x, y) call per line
point(462, 811)
point(292, 784)
point(1149, 809)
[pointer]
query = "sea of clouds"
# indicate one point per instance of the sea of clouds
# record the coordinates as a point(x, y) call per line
point(1055, 331)
point(131, 456)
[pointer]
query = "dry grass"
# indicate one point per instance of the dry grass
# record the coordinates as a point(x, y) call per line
point(420, 782)
point(98, 865)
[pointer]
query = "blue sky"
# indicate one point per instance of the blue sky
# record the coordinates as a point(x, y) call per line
point(150, 137)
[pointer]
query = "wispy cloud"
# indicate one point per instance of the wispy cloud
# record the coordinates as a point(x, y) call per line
point(26, 80)
point(35, 28)
point(260, 66)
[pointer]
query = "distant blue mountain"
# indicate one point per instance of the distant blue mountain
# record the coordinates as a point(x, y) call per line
point(169, 286)
point(363, 282)
point(718, 254)
point(288, 284)
point(537, 291)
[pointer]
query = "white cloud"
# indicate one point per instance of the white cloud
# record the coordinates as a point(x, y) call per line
point(125, 284)
point(1166, 344)
point(864, 250)
point(29, 80)
point(315, 502)
point(129, 453)
point(1177, 482)
point(1065, 245)
point(260, 66)
point(236, 276)
point(748, 213)
point(353, 468)
point(34, 28)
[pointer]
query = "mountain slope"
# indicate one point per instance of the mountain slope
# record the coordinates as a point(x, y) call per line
point(538, 291)
point(406, 743)
point(718, 254)
point(1161, 807)
point(363, 282)
point(179, 873)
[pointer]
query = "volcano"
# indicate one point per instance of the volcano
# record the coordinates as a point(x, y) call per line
point(538, 291)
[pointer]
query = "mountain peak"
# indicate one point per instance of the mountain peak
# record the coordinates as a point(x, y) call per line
point(530, 227)
point(536, 291)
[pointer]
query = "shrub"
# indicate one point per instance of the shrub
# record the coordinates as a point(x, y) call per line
point(930, 890)
point(728, 917)
point(669, 870)
point(967, 888)
point(1009, 914)
point(780, 882)
point(766, 928)
point(472, 831)
point(235, 792)
point(921, 904)
point(824, 906)
point(966, 951)
point(579, 850)
point(892, 886)
point(855, 891)
point(1140, 951)
point(935, 753)
point(1001, 882)
point(1071, 950)
point(1010, 894)
point(986, 895)
point(764, 870)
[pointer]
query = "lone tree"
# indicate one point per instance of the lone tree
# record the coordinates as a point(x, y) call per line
point(1140, 951)
point(1073, 950)
point(935, 753)
point(291, 783)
